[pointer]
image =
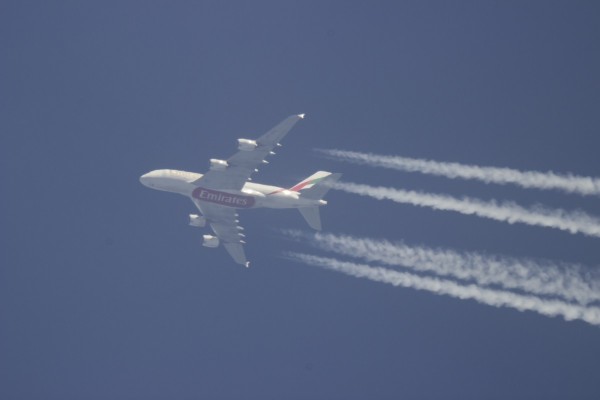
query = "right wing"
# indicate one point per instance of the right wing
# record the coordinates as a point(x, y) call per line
point(224, 223)
point(244, 163)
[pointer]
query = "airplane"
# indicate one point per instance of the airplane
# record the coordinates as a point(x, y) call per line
point(227, 188)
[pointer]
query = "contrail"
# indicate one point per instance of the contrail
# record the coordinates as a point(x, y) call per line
point(573, 222)
point(570, 281)
point(582, 185)
point(492, 297)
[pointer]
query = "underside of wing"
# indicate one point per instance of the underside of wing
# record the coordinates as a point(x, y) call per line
point(224, 223)
point(236, 251)
point(233, 173)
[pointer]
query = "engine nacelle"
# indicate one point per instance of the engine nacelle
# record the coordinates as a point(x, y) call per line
point(210, 241)
point(247, 144)
point(218, 165)
point(197, 220)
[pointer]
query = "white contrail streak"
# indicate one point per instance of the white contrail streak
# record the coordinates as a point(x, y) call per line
point(570, 281)
point(573, 222)
point(496, 298)
point(582, 185)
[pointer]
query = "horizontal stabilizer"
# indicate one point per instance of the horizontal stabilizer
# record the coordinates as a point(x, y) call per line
point(312, 217)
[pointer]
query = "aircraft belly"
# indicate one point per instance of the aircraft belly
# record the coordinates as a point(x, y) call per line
point(283, 202)
point(226, 199)
point(247, 199)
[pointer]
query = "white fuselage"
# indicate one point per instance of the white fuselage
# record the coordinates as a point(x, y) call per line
point(252, 195)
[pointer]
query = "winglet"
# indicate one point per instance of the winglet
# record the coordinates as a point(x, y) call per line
point(247, 264)
point(301, 116)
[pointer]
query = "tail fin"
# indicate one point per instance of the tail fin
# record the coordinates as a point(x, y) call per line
point(315, 187)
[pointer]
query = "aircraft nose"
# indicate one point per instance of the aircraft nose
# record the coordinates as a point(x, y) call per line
point(144, 179)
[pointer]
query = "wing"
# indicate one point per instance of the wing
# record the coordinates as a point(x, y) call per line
point(243, 163)
point(224, 223)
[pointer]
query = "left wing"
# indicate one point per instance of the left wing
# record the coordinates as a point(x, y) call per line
point(242, 164)
point(224, 223)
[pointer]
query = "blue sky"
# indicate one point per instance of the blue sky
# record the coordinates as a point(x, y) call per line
point(105, 292)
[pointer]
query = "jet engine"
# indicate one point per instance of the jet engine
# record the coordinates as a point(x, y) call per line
point(197, 220)
point(218, 165)
point(247, 144)
point(210, 241)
